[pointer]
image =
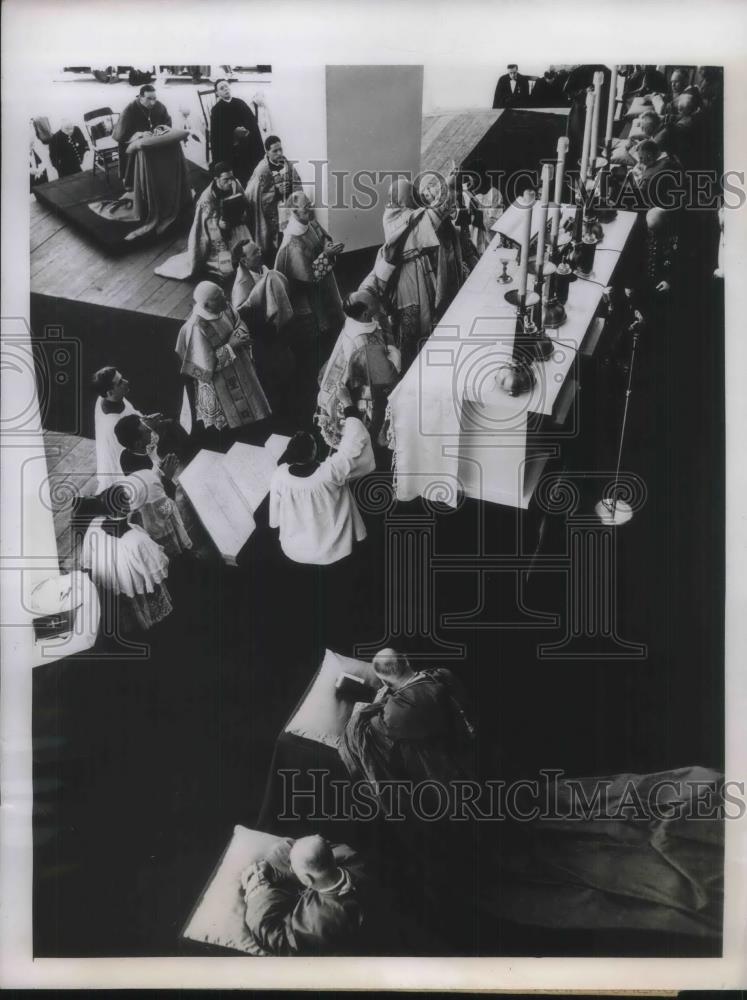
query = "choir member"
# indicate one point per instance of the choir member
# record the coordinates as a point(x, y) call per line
point(311, 502)
point(128, 568)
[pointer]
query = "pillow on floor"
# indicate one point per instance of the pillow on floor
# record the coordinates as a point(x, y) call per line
point(218, 917)
point(323, 714)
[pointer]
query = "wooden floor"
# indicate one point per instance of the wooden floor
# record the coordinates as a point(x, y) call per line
point(66, 265)
point(452, 135)
point(71, 469)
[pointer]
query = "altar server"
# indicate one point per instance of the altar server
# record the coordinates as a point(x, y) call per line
point(311, 502)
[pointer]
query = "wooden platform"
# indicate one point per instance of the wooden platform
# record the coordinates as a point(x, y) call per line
point(65, 265)
point(71, 468)
point(452, 135)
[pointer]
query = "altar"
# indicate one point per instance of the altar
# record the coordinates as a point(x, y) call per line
point(454, 431)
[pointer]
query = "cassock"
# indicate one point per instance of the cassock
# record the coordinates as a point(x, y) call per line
point(286, 918)
point(243, 154)
point(66, 152)
point(137, 118)
point(419, 732)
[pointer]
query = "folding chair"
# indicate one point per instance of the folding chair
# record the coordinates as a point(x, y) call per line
point(99, 126)
point(207, 103)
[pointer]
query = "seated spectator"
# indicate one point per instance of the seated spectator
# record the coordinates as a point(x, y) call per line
point(306, 898)
point(686, 133)
point(67, 147)
point(678, 85)
point(311, 502)
point(647, 126)
point(37, 170)
point(362, 370)
point(152, 484)
point(512, 89)
point(711, 86)
point(214, 346)
point(416, 729)
point(112, 404)
point(128, 568)
point(654, 173)
point(260, 296)
point(218, 226)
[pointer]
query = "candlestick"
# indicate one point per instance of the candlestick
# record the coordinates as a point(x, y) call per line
point(611, 104)
point(559, 172)
point(587, 135)
point(594, 138)
point(525, 203)
point(543, 206)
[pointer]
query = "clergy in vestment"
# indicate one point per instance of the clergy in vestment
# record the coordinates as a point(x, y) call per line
point(307, 897)
point(311, 502)
point(273, 180)
point(218, 226)
point(417, 729)
point(142, 115)
point(260, 296)
point(235, 136)
point(361, 371)
point(214, 346)
point(419, 269)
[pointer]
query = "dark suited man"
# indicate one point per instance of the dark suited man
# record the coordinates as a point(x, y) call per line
point(512, 89)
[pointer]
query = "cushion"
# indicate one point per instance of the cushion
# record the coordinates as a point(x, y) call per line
point(218, 917)
point(323, 715)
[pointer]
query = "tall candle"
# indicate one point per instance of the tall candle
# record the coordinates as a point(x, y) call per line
point(594, 140)
point(559, 172)
point(611, 108)
point(587, 135)
point(543, 206)
point(525, 204)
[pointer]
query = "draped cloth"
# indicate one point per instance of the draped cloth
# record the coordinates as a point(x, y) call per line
point(419, 732)
point(620, 870)
point(159, 514)
point(266, 192)
point(228, 392)
point(160, 185)
point(208, 248)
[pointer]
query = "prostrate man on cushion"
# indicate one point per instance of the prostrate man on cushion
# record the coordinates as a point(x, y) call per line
point(305, 898)
point(142, 115)
point(417, 729)
point(235, 137)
